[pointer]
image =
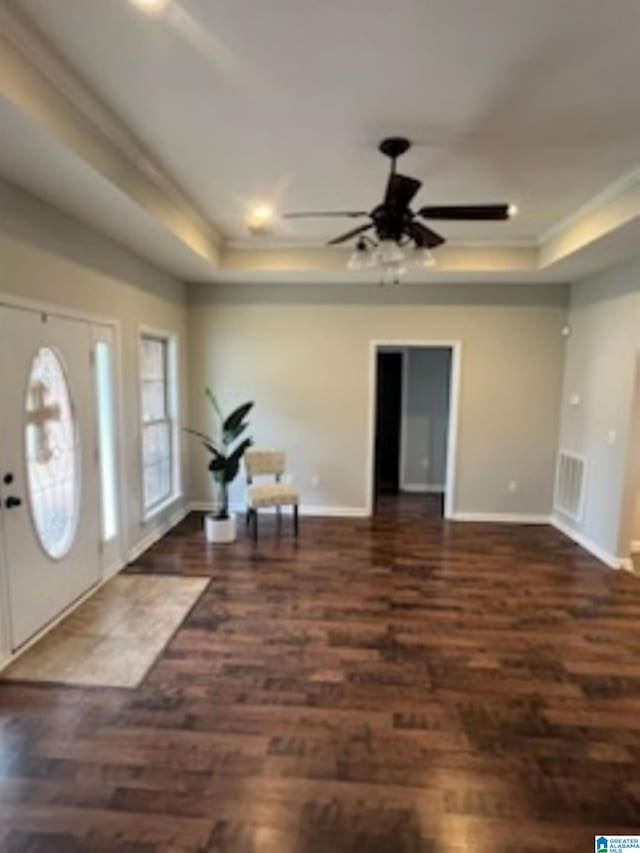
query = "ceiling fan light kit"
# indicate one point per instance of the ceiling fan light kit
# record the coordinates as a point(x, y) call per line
point(388, 257)
point(402, 239)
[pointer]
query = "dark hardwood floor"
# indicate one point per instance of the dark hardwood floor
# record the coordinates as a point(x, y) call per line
point(398, 684)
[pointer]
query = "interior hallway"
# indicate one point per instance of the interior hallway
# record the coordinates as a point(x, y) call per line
point(393, 684)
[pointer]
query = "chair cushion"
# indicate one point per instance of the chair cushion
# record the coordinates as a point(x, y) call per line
point(259, 462)
point(275, 494)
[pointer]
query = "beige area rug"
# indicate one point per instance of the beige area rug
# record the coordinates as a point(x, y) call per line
point(114, 637)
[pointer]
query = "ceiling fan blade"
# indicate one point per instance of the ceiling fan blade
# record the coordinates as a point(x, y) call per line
point(466, 211)
point(353, 233)
point(401, 190)
point(423, 236)
point(303, 214)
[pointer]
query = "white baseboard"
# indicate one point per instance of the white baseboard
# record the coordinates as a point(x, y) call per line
point(157, 533)
point(304, 509)
point(580, 539)
point(113, 570)
point(500, 517)
point(334, 511)
point(423, 488)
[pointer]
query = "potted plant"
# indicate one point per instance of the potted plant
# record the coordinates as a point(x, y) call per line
point(220, 525)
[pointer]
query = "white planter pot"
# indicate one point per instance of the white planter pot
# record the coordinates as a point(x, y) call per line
point(220, 531)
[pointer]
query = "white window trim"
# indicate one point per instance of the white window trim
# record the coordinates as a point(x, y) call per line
point(173, 400)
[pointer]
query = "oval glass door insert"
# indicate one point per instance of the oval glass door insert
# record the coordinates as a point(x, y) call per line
point(52, 455)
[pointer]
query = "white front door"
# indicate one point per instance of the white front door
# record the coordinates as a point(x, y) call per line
point(48, 466)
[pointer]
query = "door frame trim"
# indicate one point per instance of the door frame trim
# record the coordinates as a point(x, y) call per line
point(20, 303)
point(24, 303)
point(454, 404)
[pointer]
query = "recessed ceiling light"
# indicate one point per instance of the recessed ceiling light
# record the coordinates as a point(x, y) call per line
point(260, 218)
point(152, 7)
point(512, 210)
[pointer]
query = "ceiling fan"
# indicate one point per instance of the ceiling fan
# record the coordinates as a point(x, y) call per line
point(395, 224)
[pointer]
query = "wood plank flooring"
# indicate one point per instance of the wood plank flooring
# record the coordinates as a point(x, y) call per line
point(389, 685)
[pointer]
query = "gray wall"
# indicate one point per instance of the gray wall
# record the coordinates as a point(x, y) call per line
point(48, 256)
point(425, 418)
point(303, 354)
point(601, 369)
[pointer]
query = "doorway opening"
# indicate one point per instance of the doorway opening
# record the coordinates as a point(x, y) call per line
point(413, 420)
point(630, 539)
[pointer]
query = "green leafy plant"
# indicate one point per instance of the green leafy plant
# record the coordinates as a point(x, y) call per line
point(225, 458)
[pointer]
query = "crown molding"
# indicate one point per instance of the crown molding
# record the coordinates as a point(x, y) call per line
point(602, 198)
point(24, 41)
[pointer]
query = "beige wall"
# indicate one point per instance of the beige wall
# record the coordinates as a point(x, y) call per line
point(601, 369)
point(47, 256)
point(303, 355)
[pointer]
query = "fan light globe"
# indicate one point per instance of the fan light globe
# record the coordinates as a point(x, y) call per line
point(421, 257)
point(361, 258)
point(512, 210)
point(389, 253)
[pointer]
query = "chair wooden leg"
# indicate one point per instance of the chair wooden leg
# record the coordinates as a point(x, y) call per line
point(247, 517)
point(295, 520)
point(255, 525)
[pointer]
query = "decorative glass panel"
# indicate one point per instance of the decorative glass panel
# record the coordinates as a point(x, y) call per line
point(106, 439)
point(52, 455)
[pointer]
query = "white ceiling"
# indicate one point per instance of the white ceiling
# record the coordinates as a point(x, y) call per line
point(285, 100)
point(30, 157)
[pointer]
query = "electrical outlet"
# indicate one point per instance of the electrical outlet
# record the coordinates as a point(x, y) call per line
point(513, 486)
point(425, 462)
point(315, 481)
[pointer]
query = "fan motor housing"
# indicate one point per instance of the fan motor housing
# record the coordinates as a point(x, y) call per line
point(390, 223)
point(394, 146)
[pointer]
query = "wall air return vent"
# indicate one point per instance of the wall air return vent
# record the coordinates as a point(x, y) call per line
point(571, 485)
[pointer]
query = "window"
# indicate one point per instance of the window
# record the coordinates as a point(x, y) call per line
point(106, 440)
point(159, 433)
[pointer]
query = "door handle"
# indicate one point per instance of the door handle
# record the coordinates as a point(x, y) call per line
point(13, 502)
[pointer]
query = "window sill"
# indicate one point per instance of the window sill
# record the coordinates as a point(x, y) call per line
point(157, 510)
